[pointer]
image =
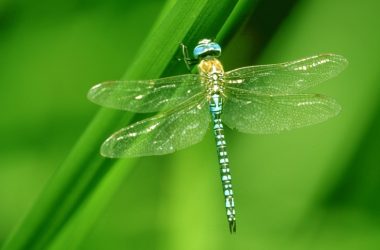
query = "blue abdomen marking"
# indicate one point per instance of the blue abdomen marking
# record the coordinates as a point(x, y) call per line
point(216, 105)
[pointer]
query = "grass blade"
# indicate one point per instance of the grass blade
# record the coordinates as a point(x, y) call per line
point(84, 171)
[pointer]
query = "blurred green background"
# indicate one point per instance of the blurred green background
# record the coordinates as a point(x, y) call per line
point(312, 188)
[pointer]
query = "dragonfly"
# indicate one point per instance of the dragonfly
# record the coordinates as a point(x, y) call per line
point(260, 99)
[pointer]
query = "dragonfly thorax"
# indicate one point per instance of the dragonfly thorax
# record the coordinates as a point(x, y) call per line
point(212, 74)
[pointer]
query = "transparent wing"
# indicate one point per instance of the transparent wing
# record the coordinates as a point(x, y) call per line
point(162, 134)
point(285, 78)
point(264, 114)
point(146, 95)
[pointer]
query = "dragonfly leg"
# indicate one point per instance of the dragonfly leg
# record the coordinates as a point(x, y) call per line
point(186, 57)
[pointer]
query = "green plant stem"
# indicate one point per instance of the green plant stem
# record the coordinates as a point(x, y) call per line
point(85, 176)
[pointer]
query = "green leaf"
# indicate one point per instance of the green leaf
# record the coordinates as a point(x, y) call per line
point(81, 187)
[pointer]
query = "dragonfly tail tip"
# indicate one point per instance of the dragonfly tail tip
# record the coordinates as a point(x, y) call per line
point(232, 225)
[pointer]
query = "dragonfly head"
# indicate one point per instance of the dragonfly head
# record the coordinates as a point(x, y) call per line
point(205, 48)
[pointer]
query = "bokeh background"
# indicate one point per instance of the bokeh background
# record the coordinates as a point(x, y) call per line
point(311, 188)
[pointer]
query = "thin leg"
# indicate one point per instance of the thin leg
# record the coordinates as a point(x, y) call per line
point(186, 58)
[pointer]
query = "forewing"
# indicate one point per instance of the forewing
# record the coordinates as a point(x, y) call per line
point(286, 78)
point(146, 96)
point(265, 114)
point(162, 134)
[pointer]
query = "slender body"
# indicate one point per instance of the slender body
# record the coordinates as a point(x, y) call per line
point(211, 71)
point(260, 99)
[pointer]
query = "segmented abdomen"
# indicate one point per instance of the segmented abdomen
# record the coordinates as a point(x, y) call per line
point(221, 146)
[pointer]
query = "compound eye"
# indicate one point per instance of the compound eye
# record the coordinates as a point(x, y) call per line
point(208, 49)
